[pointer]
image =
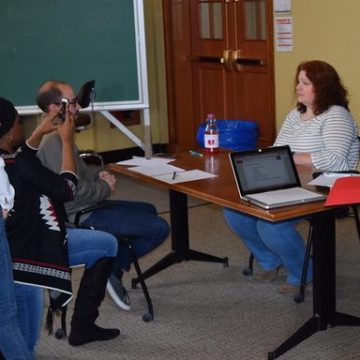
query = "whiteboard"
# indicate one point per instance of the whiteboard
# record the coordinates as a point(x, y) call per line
point(74, 41)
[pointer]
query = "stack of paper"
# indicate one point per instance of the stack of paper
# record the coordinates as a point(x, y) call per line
point(142, 161)
point(159, 168)
point(327, 179)
point(185, 176)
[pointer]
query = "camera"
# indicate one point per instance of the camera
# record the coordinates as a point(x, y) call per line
point(63, 108)
point(60, 118)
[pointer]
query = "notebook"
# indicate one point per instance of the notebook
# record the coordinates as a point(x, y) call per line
point(268, 178)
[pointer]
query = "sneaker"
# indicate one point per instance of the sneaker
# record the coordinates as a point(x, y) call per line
point(267, 276)
point(118, 292)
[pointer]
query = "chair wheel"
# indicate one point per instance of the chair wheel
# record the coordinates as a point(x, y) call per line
point(60, 334)
point(147, 317)
point(298, 298)
point(247, 272)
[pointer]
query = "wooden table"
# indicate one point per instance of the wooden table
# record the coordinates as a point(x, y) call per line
point(221, 190)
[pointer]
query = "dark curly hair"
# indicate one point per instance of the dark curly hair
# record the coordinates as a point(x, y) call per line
point(328, 87)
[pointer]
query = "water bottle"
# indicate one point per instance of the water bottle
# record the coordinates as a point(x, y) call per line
point(211, 135)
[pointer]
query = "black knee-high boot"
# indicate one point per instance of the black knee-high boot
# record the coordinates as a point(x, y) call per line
point(90, 295)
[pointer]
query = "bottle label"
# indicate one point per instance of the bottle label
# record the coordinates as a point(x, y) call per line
point(211, 141)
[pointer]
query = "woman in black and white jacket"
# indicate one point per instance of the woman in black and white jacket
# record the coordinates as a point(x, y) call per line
point(39, 244)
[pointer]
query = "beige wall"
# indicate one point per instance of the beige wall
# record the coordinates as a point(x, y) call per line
point(326, 30)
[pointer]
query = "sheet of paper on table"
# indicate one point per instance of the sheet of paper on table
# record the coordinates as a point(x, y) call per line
point(142, 161)
point(185, 176)
point(159, 168)
point(156, 169)
point(328, 179)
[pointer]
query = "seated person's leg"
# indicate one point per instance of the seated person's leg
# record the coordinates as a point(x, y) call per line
point(95, 249)
point(137, 221)
point(145, 238)
point(85, 246)
point(12, 342)
point(30, 307)
point(245, 226)
point(285, 240)
point(145, 228)
point(137, 206)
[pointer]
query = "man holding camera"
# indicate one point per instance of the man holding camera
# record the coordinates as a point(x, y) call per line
point(136, 220)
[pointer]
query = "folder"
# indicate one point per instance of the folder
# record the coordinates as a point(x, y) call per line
point(345, 191)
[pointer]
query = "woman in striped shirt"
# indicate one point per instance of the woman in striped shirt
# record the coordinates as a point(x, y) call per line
point(321, 130)
point(322, 133)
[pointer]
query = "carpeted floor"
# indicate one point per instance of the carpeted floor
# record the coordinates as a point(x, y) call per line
point(206, 311)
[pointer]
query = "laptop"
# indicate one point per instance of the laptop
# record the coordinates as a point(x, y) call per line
point(268, 178)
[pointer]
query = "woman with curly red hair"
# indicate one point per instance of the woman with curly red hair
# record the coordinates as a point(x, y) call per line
point(321, 133)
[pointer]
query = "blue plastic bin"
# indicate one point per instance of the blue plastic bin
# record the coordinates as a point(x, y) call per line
point(233, 134)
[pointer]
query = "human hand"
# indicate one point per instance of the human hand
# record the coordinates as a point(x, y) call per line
point(46, 126)
point(109, 178)
point(66, 129)
point(47, 123)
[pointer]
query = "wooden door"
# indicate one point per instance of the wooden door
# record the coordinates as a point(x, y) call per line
point(219, 59)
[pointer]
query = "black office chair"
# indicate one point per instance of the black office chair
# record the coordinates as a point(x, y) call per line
point(61, 332)
point(149, 316)
point(89, 156)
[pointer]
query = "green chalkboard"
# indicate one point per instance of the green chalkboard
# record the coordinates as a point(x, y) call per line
point(73, 41)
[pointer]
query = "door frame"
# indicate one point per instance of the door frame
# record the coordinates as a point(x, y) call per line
point(179, 78)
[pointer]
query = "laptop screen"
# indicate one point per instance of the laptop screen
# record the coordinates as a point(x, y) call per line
point(265, 169)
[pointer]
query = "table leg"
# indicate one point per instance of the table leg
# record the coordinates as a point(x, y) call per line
point(179, 239)
point(324, 286)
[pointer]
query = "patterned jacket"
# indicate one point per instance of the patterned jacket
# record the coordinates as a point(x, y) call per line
point(36, 225)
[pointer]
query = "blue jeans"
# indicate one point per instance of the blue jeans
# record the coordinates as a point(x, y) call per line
point(86, 246)
point(136, 220)
point(30, 305)
point(272, 244)
point(12, 343)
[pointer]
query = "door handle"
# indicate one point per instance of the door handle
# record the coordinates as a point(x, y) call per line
point(254, 62)
point(238, 60)
point(208, 59)
point(227, 60)
point(235, 55)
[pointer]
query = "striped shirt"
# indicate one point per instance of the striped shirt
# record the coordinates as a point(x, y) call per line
point(331, 138)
